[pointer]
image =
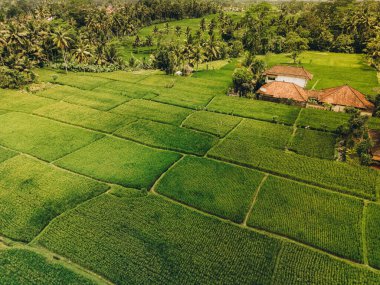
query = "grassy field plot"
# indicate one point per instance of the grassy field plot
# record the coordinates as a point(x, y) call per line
point(154, 111)
point(6, 154)
point(215, 187)
point(214, 123)
point(262, 133)
point(59, 92)
point(168, 136)
point(322, 120)
point(254, 109)
point(127, 89)
point(79, 80)
point(314, 143)
point(83, 116)
point(120, 162)
point(20, 266)
point(324, 219)
point(372, 234)
point(127, 76)
point(42, 137)
point(98, 100)
point(356, 180)
point(187, 99)
point(32, 193)
point(298, 266)
point(22, 102)
point(146, 240)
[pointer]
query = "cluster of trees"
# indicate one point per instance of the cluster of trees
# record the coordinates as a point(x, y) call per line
point(213, 40)
point(76, 34)
point(354, 140)
point(249, 77)
point(341, 26)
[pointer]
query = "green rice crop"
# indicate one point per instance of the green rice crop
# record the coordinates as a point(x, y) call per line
point(32, 193)
point(187, 99)
point(42, 137)
point(298, 266)
point(120, 162)
point(154, 111)
point(138, 239)
point(322, 120)
point(131, 90)
point(314, 143)
point(261, 133)
point(79, 80)
point(83, 116)
point(214, 123)
point(211, 186)
point(324, 219)
point(254, 109)
point(355, 180)
point(168, 136)
point(5, 154)
point(21, 266)
point(17, 101)
point(372, 234)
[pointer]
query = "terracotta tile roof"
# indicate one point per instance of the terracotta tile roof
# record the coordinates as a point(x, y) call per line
point(345, 96)
point(284, 90)
point(289, 71)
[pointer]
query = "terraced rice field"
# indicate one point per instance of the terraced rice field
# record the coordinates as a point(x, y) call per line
point(142, 178)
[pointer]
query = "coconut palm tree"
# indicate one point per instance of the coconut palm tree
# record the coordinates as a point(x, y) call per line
point(62, 40)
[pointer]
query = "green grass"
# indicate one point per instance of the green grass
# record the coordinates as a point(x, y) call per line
point(41, 137)
point(131, 90)
point(101, 100)
point(6, 154)
point(254, 109)
point(322, 120)
point(372, 234)
point(314, 143)
point(187, 99)
point(214, 123)
point(33, 193)
point(214, 187)
point(168, 137)
point(23, 102)
point(83, 116)
point(21, 266)
point(299, 265)
point(261, 133)
point(79, 80)
point(120, 162)
point(324, 219)
point(334, 69)
point(126, 76)
point(146, 240)
point(339, 176)
point(154, 111)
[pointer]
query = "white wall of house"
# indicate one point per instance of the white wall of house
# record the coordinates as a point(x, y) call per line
point(296, 80)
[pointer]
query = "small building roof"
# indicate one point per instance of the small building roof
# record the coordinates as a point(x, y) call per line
point(292, 71)
point(284, 90)
point(345, 96)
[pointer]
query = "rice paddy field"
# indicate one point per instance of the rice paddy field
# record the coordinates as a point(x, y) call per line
point(143, 178)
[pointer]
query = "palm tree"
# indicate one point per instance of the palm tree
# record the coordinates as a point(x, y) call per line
point(197, 55)
point(62, 40)
point(81, 53)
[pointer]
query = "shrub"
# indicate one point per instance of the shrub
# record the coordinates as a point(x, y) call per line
point(14, 79)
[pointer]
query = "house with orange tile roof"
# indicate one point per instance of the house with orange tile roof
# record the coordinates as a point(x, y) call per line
point(342, 97)
point(283, 92)
point(291, 74)
point(338, 98)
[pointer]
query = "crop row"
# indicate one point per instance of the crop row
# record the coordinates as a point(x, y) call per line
point(356, 180)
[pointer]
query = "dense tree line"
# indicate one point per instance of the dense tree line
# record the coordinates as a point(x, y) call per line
point(340, 26)
point(76, 34)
